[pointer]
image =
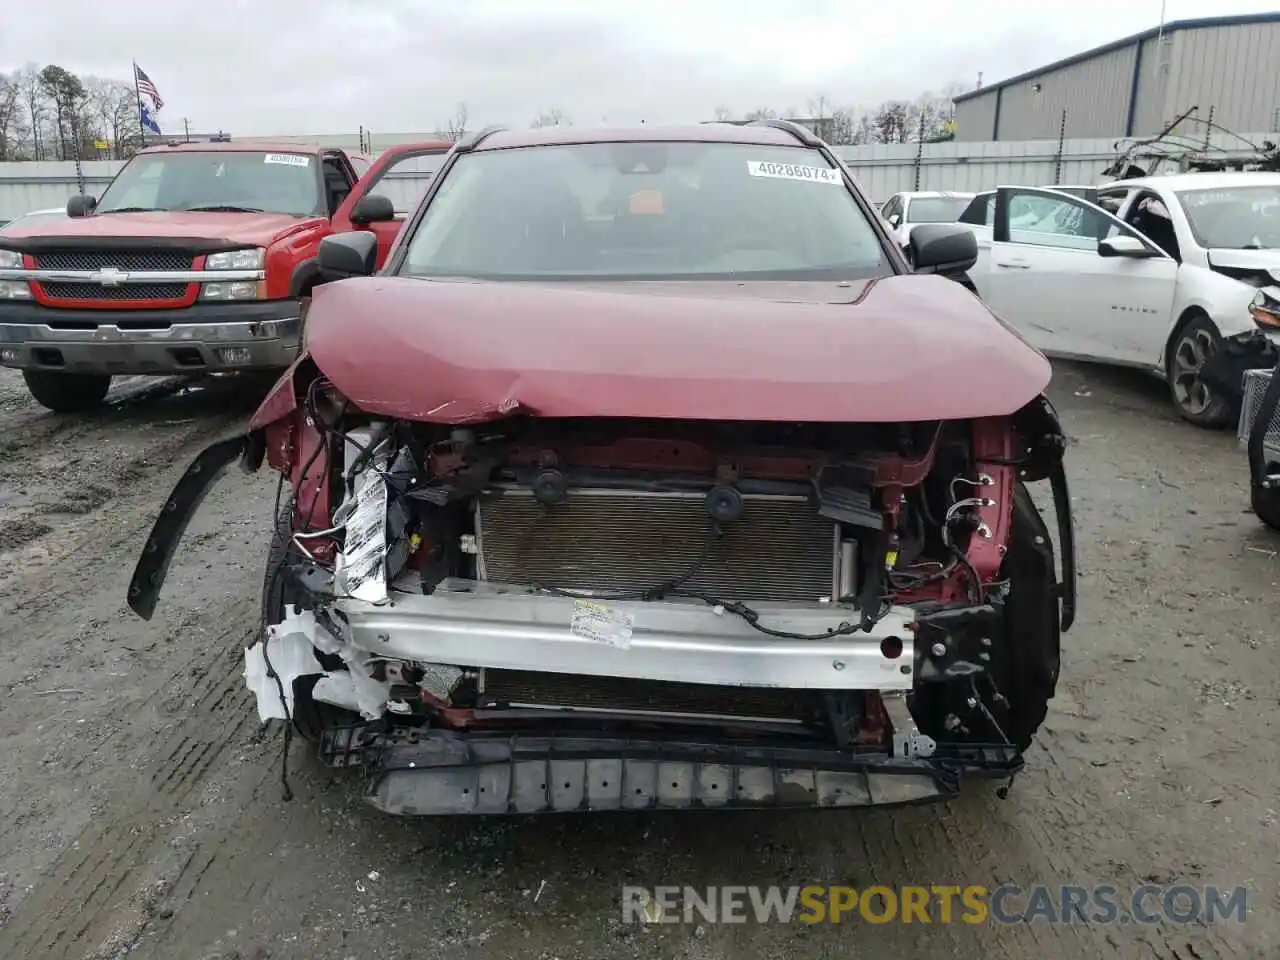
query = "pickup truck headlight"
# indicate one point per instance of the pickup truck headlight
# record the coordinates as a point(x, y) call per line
point(236, 260)
point(1265, 311)
point(233, 290)
point(15, 290)
point(10, 260)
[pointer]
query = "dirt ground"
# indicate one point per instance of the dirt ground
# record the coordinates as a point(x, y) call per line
point(140, 803)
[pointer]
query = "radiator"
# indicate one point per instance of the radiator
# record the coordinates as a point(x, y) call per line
point(1255, 385)
point(613, 541)
point(521, 688)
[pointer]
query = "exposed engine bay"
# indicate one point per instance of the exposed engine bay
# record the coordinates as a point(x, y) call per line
point(682, 612)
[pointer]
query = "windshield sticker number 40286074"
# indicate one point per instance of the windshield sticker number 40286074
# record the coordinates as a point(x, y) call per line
point(793, 171)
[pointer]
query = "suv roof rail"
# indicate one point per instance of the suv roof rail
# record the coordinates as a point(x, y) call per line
point(801, 133)
point(466, 146)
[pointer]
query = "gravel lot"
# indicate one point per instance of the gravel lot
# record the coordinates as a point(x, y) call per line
point(140, 804)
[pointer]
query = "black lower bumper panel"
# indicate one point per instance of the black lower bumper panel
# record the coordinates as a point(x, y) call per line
point(442, 772)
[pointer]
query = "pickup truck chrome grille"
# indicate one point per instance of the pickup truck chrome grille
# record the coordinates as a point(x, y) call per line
point(1255, 385)
point(126, 260)
point(616, 541)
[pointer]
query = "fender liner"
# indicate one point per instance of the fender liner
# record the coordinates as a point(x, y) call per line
point(305, 274)
point(162, 542)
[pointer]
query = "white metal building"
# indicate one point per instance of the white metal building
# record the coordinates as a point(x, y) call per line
point(1226, 67)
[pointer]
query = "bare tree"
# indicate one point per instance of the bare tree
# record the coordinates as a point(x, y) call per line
point(12, 125)
point(455, 128)
point(723, 114)
point(555, 117)
point(37, 107)
point(762, 113)
point(113, 115)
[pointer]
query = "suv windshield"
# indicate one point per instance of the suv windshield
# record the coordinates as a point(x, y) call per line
point(1234, 218)
point(224, 180)
point(645, 211)
point(936, 209)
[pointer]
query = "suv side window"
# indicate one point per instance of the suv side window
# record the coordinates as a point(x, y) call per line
point(892, 208)
point(1147, 215)
point(980, 211)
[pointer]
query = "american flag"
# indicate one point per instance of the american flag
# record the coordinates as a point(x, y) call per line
point(145, 86)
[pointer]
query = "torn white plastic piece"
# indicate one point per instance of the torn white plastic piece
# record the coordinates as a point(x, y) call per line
point(361, 568)
point(353, 689)
point(292, 656)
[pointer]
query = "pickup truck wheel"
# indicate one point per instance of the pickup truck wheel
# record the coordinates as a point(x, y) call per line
point(1194, 343)
point(66, 392)
point(1266, 504)
point(310, 716)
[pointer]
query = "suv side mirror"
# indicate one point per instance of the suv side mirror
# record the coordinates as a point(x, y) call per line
point(372, 208)
point(1123, 246)
point(944, 248)
point(345, 255)
point(894, 220)
point(81, 206)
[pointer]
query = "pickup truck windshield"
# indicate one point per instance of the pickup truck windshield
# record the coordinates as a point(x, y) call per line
point(217, 180)
point(1234, 218)
point(645, 211)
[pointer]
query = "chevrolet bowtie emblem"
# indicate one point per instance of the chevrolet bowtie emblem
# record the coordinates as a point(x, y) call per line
point(110, 277)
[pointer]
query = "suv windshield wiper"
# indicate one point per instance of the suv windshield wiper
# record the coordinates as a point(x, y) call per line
point(224, 208)
point(131, 210)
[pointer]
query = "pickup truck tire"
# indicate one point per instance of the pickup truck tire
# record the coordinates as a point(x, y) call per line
point(67, 392)
point(310, 716)
point(1194, 342)
point(1266, 505)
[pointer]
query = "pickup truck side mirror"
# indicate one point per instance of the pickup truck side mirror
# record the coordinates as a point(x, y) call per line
point(345, 255)
point(943, 248)
point(372, 208)
point(1123, 246)
point(81, 206)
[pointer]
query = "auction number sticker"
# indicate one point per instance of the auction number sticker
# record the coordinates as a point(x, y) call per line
point(601, 623)
point(292, 159)
point(793, 171)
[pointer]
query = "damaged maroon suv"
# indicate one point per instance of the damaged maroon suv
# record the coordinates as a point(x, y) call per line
point(646, 474)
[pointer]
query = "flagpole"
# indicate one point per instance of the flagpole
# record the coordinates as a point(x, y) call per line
point(137, 95)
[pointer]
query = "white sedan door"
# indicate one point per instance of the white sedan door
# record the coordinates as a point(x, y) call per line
point(1048, 274)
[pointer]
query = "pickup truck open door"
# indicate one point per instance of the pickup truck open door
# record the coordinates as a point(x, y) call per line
point(392, 188)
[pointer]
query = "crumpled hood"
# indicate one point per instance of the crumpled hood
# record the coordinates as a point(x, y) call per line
point(248, 229)
point(905, 348)
point(1264, 261)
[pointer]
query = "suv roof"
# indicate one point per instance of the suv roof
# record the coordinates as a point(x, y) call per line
point(762, 134)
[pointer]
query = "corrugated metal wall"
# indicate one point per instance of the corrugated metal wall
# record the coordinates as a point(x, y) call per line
point(1235, 70)
point(975, 118)
point(1095, 94)
point(882, 169)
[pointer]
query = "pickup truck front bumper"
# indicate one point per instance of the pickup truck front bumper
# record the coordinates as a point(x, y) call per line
point(204, 338)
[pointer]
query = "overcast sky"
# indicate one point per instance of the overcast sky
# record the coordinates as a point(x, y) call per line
point(329, 66)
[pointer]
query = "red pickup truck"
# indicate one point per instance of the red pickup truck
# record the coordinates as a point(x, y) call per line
point(198, 257)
